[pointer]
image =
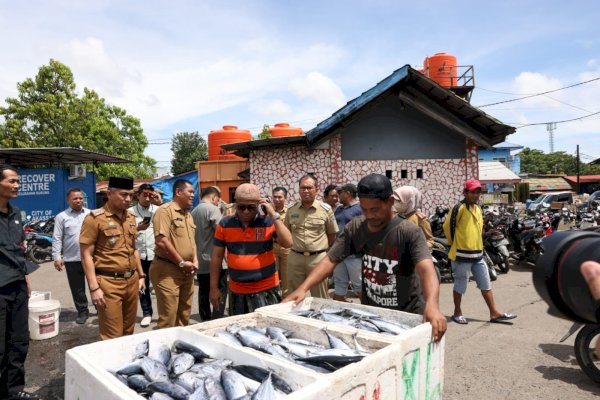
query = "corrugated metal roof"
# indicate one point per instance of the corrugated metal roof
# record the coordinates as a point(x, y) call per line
point(47, 156)
point(584, 178)
point(506, 145)
point(496, 172)
point(547, 184)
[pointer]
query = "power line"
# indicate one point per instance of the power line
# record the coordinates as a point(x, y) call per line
point(540, 94)
point(559, 122)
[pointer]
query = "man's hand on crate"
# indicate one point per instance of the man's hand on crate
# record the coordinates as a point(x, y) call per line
point(438, 321)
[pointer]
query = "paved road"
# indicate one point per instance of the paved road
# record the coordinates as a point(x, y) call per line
point(519, 361)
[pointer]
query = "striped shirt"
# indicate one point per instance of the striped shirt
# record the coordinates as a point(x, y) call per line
point(250, 257)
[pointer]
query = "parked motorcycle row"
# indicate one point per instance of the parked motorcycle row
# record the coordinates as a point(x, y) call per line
point(38, 240)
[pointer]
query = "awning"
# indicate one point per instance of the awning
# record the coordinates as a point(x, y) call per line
point(49, 156)
point(496, 172)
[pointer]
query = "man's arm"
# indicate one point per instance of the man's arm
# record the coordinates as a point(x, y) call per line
point(172, 254)
point(87, 259)
point(57, 236)
point(320, 272)
point(330, 238)
point(284, 236)
point(216, 261)
point(431, 292)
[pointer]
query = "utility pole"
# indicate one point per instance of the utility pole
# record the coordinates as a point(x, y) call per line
point(577, 169)
point(550, 127)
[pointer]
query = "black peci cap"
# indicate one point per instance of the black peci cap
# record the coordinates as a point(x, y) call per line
point(120, 183)
point(375, 186)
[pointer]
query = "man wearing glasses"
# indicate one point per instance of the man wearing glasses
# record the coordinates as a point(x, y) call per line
point(248, 236)
point(144, 211)
point(313, 229)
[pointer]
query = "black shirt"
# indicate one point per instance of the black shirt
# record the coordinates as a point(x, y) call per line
point(12, 257)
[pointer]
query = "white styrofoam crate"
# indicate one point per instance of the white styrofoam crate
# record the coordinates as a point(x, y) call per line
point(403, 366)
point(87, 367)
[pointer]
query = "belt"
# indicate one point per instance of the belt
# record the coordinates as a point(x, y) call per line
point(124, 275)
point(308, 253)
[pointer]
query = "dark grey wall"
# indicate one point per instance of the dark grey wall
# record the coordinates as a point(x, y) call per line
point(391, 131)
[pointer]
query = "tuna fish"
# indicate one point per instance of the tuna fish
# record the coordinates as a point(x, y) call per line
point(233, 384)
point(137, 382)
point(141, 350)
point(154, 370)
point(170, 389)
point(260, 374)
point(334, 341)
point(265, 391)
point(228, 337)
point(179, 346)
point(163, 354)
point(181, 363)
point(214, 389)
point(131, 368)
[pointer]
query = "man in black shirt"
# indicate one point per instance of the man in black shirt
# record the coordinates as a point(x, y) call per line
point(397, 270)
point(14, 292)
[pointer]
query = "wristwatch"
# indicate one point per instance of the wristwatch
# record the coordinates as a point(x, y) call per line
point(181, 263)
point(276, 216)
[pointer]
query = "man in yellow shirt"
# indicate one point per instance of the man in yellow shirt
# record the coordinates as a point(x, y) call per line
point(463, 229)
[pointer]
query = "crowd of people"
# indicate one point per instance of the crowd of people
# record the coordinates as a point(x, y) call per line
point(372, 240)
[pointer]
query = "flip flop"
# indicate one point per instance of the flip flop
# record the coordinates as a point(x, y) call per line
point(504, 317)
point(459, 319)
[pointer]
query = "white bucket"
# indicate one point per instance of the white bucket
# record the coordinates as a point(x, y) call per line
point(43, 319)
point(37, 296)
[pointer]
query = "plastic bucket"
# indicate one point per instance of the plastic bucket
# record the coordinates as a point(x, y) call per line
point(38, 296)
point(43, 319)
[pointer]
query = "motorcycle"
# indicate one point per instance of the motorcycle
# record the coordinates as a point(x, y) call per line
point(39, 247)
point(436, 220)
point(496, 244)
point(491, 266)
point(439, 254)
point(585, 353)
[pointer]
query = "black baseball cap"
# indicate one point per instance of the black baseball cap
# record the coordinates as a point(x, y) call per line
point(375, 186)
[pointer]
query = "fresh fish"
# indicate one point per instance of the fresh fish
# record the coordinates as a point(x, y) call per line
point(333, 360)
point(214, 389)
point(137, 382)
point(233, 384)
point(163, 354)
point(233, 329)
point(297, 350)
point(265, 391)
point(207, 371)
point(121, 378)
point(357, 346)
point(303, 313)
point(187, 380)
point(160, 396)
point(387, 326)
point(355, 312)
point(260, 374)
point(333, 318)
point(313, 367)
point(221, 362)
point(327, 310)
point(305, 342)
point(170, 389)
point(200, 393)
point(131, 368)
point(335, 342)
point(141, 350)
point(155, 371)
point(181, 363)
point(259, 330)
point(228, 337)
point(276, 333)
point(179, 346)
point(368, 326)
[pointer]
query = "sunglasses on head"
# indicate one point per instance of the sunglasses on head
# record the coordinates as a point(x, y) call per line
point(249, 207)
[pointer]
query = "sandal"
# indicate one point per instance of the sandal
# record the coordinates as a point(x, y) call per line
point(459, 319)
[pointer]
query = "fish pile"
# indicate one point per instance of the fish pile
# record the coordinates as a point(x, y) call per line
point(185, 372)
point(359, 319)
point(279, 343)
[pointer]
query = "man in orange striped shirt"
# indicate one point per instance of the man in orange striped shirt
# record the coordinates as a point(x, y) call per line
point(248, 236)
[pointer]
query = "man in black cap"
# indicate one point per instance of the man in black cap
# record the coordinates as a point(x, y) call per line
point(111, 261)
point(397, 269)
point(14, 292)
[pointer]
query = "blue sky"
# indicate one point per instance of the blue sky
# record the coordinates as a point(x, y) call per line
point(198, 65)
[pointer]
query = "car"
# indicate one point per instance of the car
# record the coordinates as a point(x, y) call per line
point(592, 202)
point(545, 200)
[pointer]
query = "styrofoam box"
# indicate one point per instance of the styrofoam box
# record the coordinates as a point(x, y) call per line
point(408, 367)
point(87, 367)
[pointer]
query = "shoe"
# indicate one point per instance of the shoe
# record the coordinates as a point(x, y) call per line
point(459, 319)
point(146, 321)
point(81, 318)
point(504, 317)
point(22, 396)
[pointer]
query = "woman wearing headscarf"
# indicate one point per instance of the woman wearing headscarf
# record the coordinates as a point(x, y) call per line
point(408, 205)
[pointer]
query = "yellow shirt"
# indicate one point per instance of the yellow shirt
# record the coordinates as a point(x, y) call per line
point(310, 226)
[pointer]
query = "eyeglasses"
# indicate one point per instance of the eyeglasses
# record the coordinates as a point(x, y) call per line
point(249, 207)
point(307, 188)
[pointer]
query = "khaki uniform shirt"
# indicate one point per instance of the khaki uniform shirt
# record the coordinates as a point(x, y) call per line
point(178, 227)
point(113, 239)
point(310, 226)
point(280, 251)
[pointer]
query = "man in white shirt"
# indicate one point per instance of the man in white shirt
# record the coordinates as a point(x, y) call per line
point(144, 211)
point(65, 249)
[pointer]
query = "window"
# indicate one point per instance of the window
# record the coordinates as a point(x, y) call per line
point(403, 174)
point(419, 173)
point(388, 173)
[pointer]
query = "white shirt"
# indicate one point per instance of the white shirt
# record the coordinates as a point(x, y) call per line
point(65, 237)
point(145, 239)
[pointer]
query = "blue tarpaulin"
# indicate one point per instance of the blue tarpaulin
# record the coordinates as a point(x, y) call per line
point(166, 185)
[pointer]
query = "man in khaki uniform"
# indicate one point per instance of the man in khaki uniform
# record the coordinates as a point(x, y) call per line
point(313, 229)
point(175, 262)
point(111, 262)
point(281, 253)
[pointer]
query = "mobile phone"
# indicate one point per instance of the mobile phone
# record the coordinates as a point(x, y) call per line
point(146, 220)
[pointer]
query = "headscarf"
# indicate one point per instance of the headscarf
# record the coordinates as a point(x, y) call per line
point(408, 200)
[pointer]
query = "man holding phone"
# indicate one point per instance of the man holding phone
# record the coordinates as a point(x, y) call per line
point(144, 211)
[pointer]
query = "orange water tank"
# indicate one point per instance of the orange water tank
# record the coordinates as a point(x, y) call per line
point(229, 134)
point(284, 129)
point(441, 68)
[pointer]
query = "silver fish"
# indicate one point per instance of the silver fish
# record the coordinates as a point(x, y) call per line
point(335, 342)
point(200, 393)
point(233, 384)
point(260, 374)
point(160, 396)
point(305, 342)
point(137, 382)
point(131, 368)
point(328, 310)
point(163, 354)
point(121, 378)
point(265, 391)
point(297, 350)
point(355, 312)
point(214, 389)
point(181, 363)
point(333, 318)
point(387, 326)
point(170, 389)
point(183, 347)
point(155, 371)
point(277, 333)
point(187, 380)
point(141, 350)
point(357, 346)
point(228, 337)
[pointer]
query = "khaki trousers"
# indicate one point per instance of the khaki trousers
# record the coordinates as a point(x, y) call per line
point(174, 292)
point(299, 267)
point(281, 256)
point(121, 296)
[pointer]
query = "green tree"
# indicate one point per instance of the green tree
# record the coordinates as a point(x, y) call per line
point(265, 133)
point(48, 112)
point(187, 148)
point(559, 162)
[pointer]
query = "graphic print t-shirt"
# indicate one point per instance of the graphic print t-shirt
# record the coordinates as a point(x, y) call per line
point(388, 262)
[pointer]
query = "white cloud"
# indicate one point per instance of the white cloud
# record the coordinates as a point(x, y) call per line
point(319, 88)
point(271, 108)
